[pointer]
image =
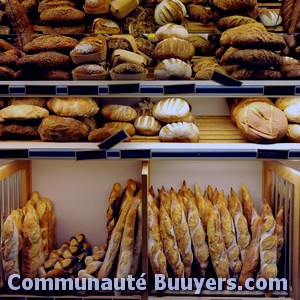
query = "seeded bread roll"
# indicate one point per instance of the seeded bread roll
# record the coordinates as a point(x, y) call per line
point(169, 11)
point(180, 132)
point(147, 125)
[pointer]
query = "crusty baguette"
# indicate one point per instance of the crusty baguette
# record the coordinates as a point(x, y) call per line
point(240, 222)
point(129, 191)
point(198, 236)
point(111, 213)
point(252, 254)
point(165, 200)
point(51, 224)
point(126, 248)
point(280, 231)
point(152, 192)
point(155, 248)
point(138, 243)
point(216, 245)
point(153, 205)
point(115, 240)
point(229, 235)
point(170, 246)
point(250, 211)
point(182, 233)
point(210, 193)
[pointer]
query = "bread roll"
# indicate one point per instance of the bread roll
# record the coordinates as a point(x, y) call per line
point(23, 111)
point(172, 69)
point(171, 110)
point(171, 30)
point(293, 133)
point(119, 113)
point(169, 11)
point(128, 127)
point(61, 129)
point(292, 112)
point(262, 122)
point(73, 107)
point(283, 103)
point(147, 125)
point(174, 48)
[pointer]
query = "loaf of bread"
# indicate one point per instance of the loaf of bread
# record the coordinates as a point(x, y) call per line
point(172, 69)
point(199, 13)
point(174, 48)
point(120, 56)
point(63, 15)
point(73, 107)
point(128, 127)
point(169, 11)
point(171, 110)
point(128, 71)
point(204, 67)
point(96, 6)
point(62, 129)
point(270, 18)
point(262, 122)
point(118, 113)
point(242, 234)
point(233, 21)
point(234, 5)
point(202, 45)
point(147, 125)
point(30, 101)
point(253, 74)
point(101, 134)
point(19, 130)
point(292, 113)
point(46, 4)
point(171, 30)
point(138, 14)
point(11, 243)
point(284, 102)
point(6, 73)
point(287, 9)
point(180, 132)
point(293, 133)
point(105, 26)
point(23, 111)
point(90, 72)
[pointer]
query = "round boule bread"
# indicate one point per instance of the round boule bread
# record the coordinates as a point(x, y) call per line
point(147, 125)
point(62, 129)
point(292, 113)
point(31, 101)
point(261, 122)
point(171, 30)
point(180, 132)
point(23, 111)
point(73, 107)
point(283, 103)
point(118, 113)
point(293, 133)
point(128, 127)
point(171, 110)
point(169, 11)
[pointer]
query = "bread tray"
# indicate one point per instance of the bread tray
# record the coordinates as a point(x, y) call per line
point(140, 76)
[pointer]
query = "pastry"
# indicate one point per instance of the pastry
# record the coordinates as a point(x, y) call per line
point(172, 69)
point(171, 30)
point(171, 110)
point(105, 26)
point(118, 113)
point(261, 122)
point(57, 43)
point(128, 127)
point(147, 125)
point(23, 111)
point(293, 133)
point(63, 15)
point(138, 14)
point(169, 11)
point(180, 132)
point(199, 13)
point(62, 129)
point(202, 45)
point(233, 21)
point(73, 107)
point(174, 48)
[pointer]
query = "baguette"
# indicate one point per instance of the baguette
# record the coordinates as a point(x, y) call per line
point(170, 246)
point(165, 201)
point(51, 225)
point(126, 248)
point(153, 205)
point(128, 193)
point(280, 231)
point(182, 233)
point(93, 267)
point(198, 236)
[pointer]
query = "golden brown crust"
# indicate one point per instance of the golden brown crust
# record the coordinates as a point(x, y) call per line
point(47, 4)
point(199, 13)
point(105, 26)
point(202, 45)
point(233, 21)
point(291, 71)
point(119, 113)
point(62, 15)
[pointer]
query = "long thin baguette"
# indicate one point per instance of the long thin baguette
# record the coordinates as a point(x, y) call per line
point(153, 205)
point(129, 192)
point(152, 192)
point(198, 236)
point(182, 234)
point(280, 231)
point(165, 201)
point(155, 248)
point(169, 243)
point(51, 224)
point(127, 244)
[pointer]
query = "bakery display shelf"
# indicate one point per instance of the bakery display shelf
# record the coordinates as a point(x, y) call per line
point(219, 138)
point(125, 88)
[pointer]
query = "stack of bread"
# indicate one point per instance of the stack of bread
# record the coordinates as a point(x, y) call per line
point(28, 236)
point(174, 52)
point(258, 119)
point(22, 117)
point(72, 122)
point(186, 228)
point(180, 127)
point(67, 260)
point(117, 117)
point(291, 108)
point(252, 49)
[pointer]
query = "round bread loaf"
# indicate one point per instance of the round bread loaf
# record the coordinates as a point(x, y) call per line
point(180, 132)
point(73, 107)
point(169, 11)
point(31, 101)
point(270, 18)
point(23, 111)
point(147, 125)
point(118, 113)
point(293, 133)
point(61, 129)
point(128, 127)
point(261, 122)
point(171, 30)
point(283, 103)
point(171, 110)
point(292, 112)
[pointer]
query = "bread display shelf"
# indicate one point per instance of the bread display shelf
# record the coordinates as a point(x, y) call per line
point(126, 88)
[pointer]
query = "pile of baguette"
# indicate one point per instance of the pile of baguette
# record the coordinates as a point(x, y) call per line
point(28, 236)
point(187, 229)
